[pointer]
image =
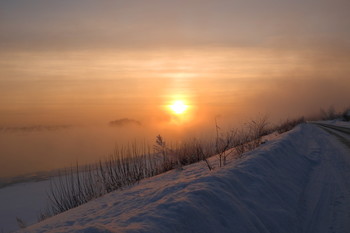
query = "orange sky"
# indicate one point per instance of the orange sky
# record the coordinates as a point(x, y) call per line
point(97, 87)
point(85, 64)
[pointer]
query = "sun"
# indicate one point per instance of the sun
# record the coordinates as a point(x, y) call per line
point(178, 107)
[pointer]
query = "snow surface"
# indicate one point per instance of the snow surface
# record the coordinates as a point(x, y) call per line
point(24, 201)
point(298, 183)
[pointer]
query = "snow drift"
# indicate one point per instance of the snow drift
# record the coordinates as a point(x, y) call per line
point(268, 190)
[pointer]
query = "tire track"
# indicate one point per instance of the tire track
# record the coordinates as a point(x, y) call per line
point(326, 198)
point(338, 131)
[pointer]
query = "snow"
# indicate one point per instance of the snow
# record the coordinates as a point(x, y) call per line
point(296, 183)
point(23, 200)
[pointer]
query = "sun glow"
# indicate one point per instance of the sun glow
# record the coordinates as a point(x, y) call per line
point(178, 107)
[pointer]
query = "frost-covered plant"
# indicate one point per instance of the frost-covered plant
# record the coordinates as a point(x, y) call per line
point(223, 142)
point(130, 164)
point(258, 128)
point(21, 223)
point(289, 124)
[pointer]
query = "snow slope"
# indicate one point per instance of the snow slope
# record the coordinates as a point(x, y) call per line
point(298, 183)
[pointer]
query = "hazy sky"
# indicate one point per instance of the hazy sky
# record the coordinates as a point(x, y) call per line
point(76, 24)
point(88, 63)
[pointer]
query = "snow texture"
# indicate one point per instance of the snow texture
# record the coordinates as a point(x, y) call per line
point(298, 183)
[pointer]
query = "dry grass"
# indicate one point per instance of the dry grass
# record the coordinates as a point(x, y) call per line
point(130, 164)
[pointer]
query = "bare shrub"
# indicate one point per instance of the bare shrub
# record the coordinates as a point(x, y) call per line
point(130, 164)
point(44, 214)
point(330, 114)
point(241, 140)
point(289, 124)
point(71, 189)
point(327, 114)
point(191, 151)
point(346, 114)
point(257, 129)
point(21, 223)
point(81, 184)
point(160, 147)
point(223, 142)
point(204, 151)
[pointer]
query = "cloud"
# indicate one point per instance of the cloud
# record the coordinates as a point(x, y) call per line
point(33, 128)
point(124, 122)
point(56, 25)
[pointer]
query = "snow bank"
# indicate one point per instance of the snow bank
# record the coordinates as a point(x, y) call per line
point(263, 192)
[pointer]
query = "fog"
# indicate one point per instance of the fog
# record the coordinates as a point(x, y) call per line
point(61, 108)
point(79, 77)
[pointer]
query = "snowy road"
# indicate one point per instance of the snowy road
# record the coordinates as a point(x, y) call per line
point(299, 183)
point(342, 133)
point(327, 195)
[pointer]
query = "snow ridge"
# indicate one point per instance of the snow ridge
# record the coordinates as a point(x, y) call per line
point(263, 192)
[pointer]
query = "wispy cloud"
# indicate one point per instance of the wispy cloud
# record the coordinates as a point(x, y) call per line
point(124, 122)
point(33, 128)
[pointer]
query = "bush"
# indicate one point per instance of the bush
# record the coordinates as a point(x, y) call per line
point(81, 184)
point(289, 124)
point(21, 223)
point(128, 165)
point(346, 115)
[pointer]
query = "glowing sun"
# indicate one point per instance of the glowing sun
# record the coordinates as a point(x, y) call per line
point(178, 107)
